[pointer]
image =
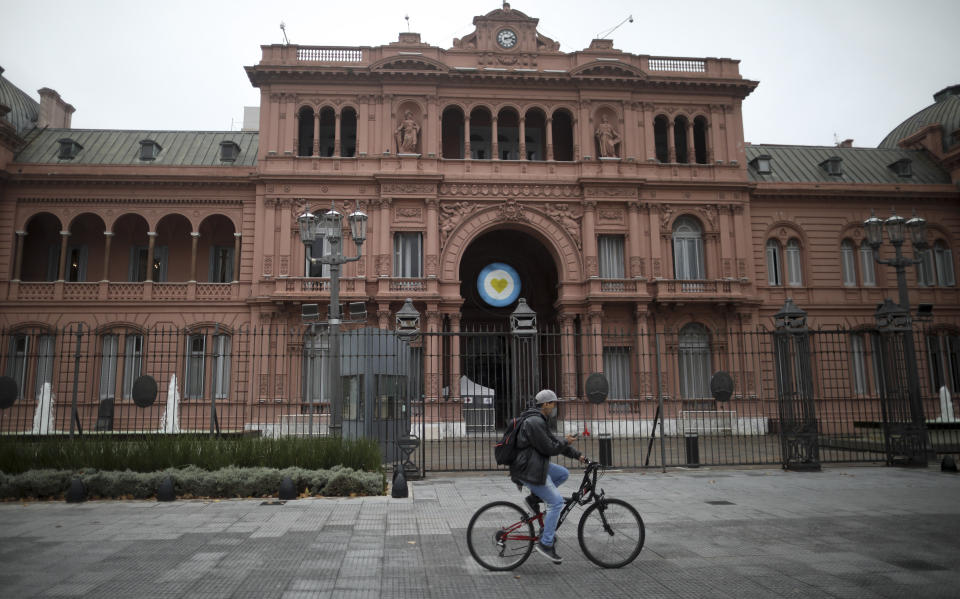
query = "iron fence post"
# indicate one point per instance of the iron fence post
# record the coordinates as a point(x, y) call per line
point(799, 434)
point(74, 417)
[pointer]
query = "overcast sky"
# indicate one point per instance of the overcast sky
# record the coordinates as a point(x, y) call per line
point(828, 69)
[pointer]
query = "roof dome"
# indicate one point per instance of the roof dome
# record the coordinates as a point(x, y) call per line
point(944, 111)
point(24, 110)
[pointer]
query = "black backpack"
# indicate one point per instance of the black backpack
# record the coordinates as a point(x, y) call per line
point(506, 450)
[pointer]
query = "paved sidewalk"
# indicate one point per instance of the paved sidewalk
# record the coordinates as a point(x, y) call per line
point(844, 532)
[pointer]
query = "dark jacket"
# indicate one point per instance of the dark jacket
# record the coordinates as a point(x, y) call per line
point(536, 444)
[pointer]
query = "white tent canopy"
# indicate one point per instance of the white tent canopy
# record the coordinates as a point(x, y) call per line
point(471, 389)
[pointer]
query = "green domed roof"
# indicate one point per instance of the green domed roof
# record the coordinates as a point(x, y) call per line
point(945, 111)
point(24, 110)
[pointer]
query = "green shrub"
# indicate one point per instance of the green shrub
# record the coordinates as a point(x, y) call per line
point(191, 481)
point(158, 452)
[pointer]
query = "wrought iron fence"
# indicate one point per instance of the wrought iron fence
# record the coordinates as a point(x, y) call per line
point(437, 401)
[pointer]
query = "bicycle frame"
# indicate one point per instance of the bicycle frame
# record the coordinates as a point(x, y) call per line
point(587, 493)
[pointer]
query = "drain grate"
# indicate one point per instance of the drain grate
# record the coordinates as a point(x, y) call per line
point(721, 503)
point(918, 565)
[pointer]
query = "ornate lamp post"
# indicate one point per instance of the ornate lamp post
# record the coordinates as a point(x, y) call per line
point(329, 227)
point(905, 440)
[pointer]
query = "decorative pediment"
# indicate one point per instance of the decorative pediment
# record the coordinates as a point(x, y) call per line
point(409, 63)
point(607, 69)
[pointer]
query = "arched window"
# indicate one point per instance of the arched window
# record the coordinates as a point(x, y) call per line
point(305, 132)
point(480, 134)
point(794, 263)
point(660, 138)
point(700, 139)
point(328, 131)
point(535, 131)
point(562, 136)
point(774, 263)
point(687, 250)
point(207, 352)
point(508, 135)
point(943, 258)
point(694, 361)
point(316, 394)
point(348, 132)
point(680, 139)
point(452, 132)
point(848, 269)
point(868, 269)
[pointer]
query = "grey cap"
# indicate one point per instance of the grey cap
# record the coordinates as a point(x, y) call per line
point(545, 396)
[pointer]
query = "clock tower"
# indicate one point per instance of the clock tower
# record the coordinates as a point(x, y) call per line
point(507, 31)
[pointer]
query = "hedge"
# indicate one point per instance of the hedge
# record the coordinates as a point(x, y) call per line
point(191, 481)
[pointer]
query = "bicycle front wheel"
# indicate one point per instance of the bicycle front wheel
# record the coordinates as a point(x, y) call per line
point(498, 536)
point(611, 533)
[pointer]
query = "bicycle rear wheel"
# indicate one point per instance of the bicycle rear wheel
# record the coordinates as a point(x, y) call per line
point(611, 533)
point(498, 537)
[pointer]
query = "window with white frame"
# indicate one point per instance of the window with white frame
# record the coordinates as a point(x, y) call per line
point(320, 247)
point(408, 255)
point(316, 364)
point(26, 351)
point(848, 264)
point(616, 367)
point(687, 249)
point(108, 366)
point(926, 272)
point(694, 361)
point(138, 263)
point(794, 263)
point(221, 264)
point(858, 358)
point(44, 374)
point(610, 251)
point(774, 263)
point(868, 269)
point(196, 366)
point(132, 362)
point(943, 260)
point(16, 369)
point(943, 357)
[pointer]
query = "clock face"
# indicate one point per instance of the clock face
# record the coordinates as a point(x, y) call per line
point(507, 38)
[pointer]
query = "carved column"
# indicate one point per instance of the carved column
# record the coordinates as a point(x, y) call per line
point(576, 138)
point(433, 239)
point(64, 241)
point(495, 138)
point(549, 138)
point(383, 259)
point(316, 133)
point(151, 243)
point(568, 355)
point(236, 257)
point(671, 145)
point(21, 235)
point(466, 137)
point(650, 144)
point(286, 219)
point(644, 350)
point(590, 237)
point(656, 266)
point(383, 316)
point(727, 252)
point(336, 135)
point(633, 224)
point(431, 387)
point(107, 242)
point(455, 356)
point(194, 240)
point(523, 138)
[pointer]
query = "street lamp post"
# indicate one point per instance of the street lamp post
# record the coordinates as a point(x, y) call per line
point(329, 227)
point(897, 227)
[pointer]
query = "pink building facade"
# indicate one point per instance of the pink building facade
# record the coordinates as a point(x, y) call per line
point(619, 187)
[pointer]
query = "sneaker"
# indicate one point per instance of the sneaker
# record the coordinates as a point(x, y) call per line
point(549, 552)
point(534, 502)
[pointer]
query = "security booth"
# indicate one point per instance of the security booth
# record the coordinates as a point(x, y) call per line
point(374, 368)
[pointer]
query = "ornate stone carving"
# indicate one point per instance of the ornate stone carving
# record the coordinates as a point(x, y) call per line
point(451, 215)
point(611, 214)
point(268, 265)
point(432, 263)
point(284, 265)
point(592, 266)
point(383, 265)
point(657, 270)
point(562, 215)
point(407, 134)
point(408, 188)
point(409, 213)
point(511, 210)
point(498, 189)
point(637, 266)
point(607, 139)
point(741, 268)
point(727, 268)
point(666, 213)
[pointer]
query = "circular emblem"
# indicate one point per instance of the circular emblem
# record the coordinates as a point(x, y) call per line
point(507, 38)
point(721, 386)
point(498, 284)
point(144, 391)
point(9, 391)
point(597, 387)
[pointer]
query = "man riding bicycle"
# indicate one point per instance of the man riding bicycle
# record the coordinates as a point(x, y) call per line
point(532, 467)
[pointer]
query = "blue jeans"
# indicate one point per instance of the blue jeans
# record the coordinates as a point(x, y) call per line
point(556, 475)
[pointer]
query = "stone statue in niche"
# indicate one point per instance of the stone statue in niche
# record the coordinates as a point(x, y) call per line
point(407, 134)
point(607, 139)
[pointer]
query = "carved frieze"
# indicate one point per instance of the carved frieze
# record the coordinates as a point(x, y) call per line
point(432, 264)
point(507, 189)
point(410, 213)
point(268, 265)
point(563, 215)
point(592, 266)
point(511, 210)
point(614, 214)
point(451, 215)
point(408, 188)
point(610, 192)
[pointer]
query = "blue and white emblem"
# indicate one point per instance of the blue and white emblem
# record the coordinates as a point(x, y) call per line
point(498, 284)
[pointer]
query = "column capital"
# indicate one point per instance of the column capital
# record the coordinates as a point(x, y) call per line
point(65, 233)
point(21, 233)
point(151, 233)
point(195, 234)
point(238, 235)
point(108, 233)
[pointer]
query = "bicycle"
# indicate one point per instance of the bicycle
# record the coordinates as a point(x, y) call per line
point(611, 533)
